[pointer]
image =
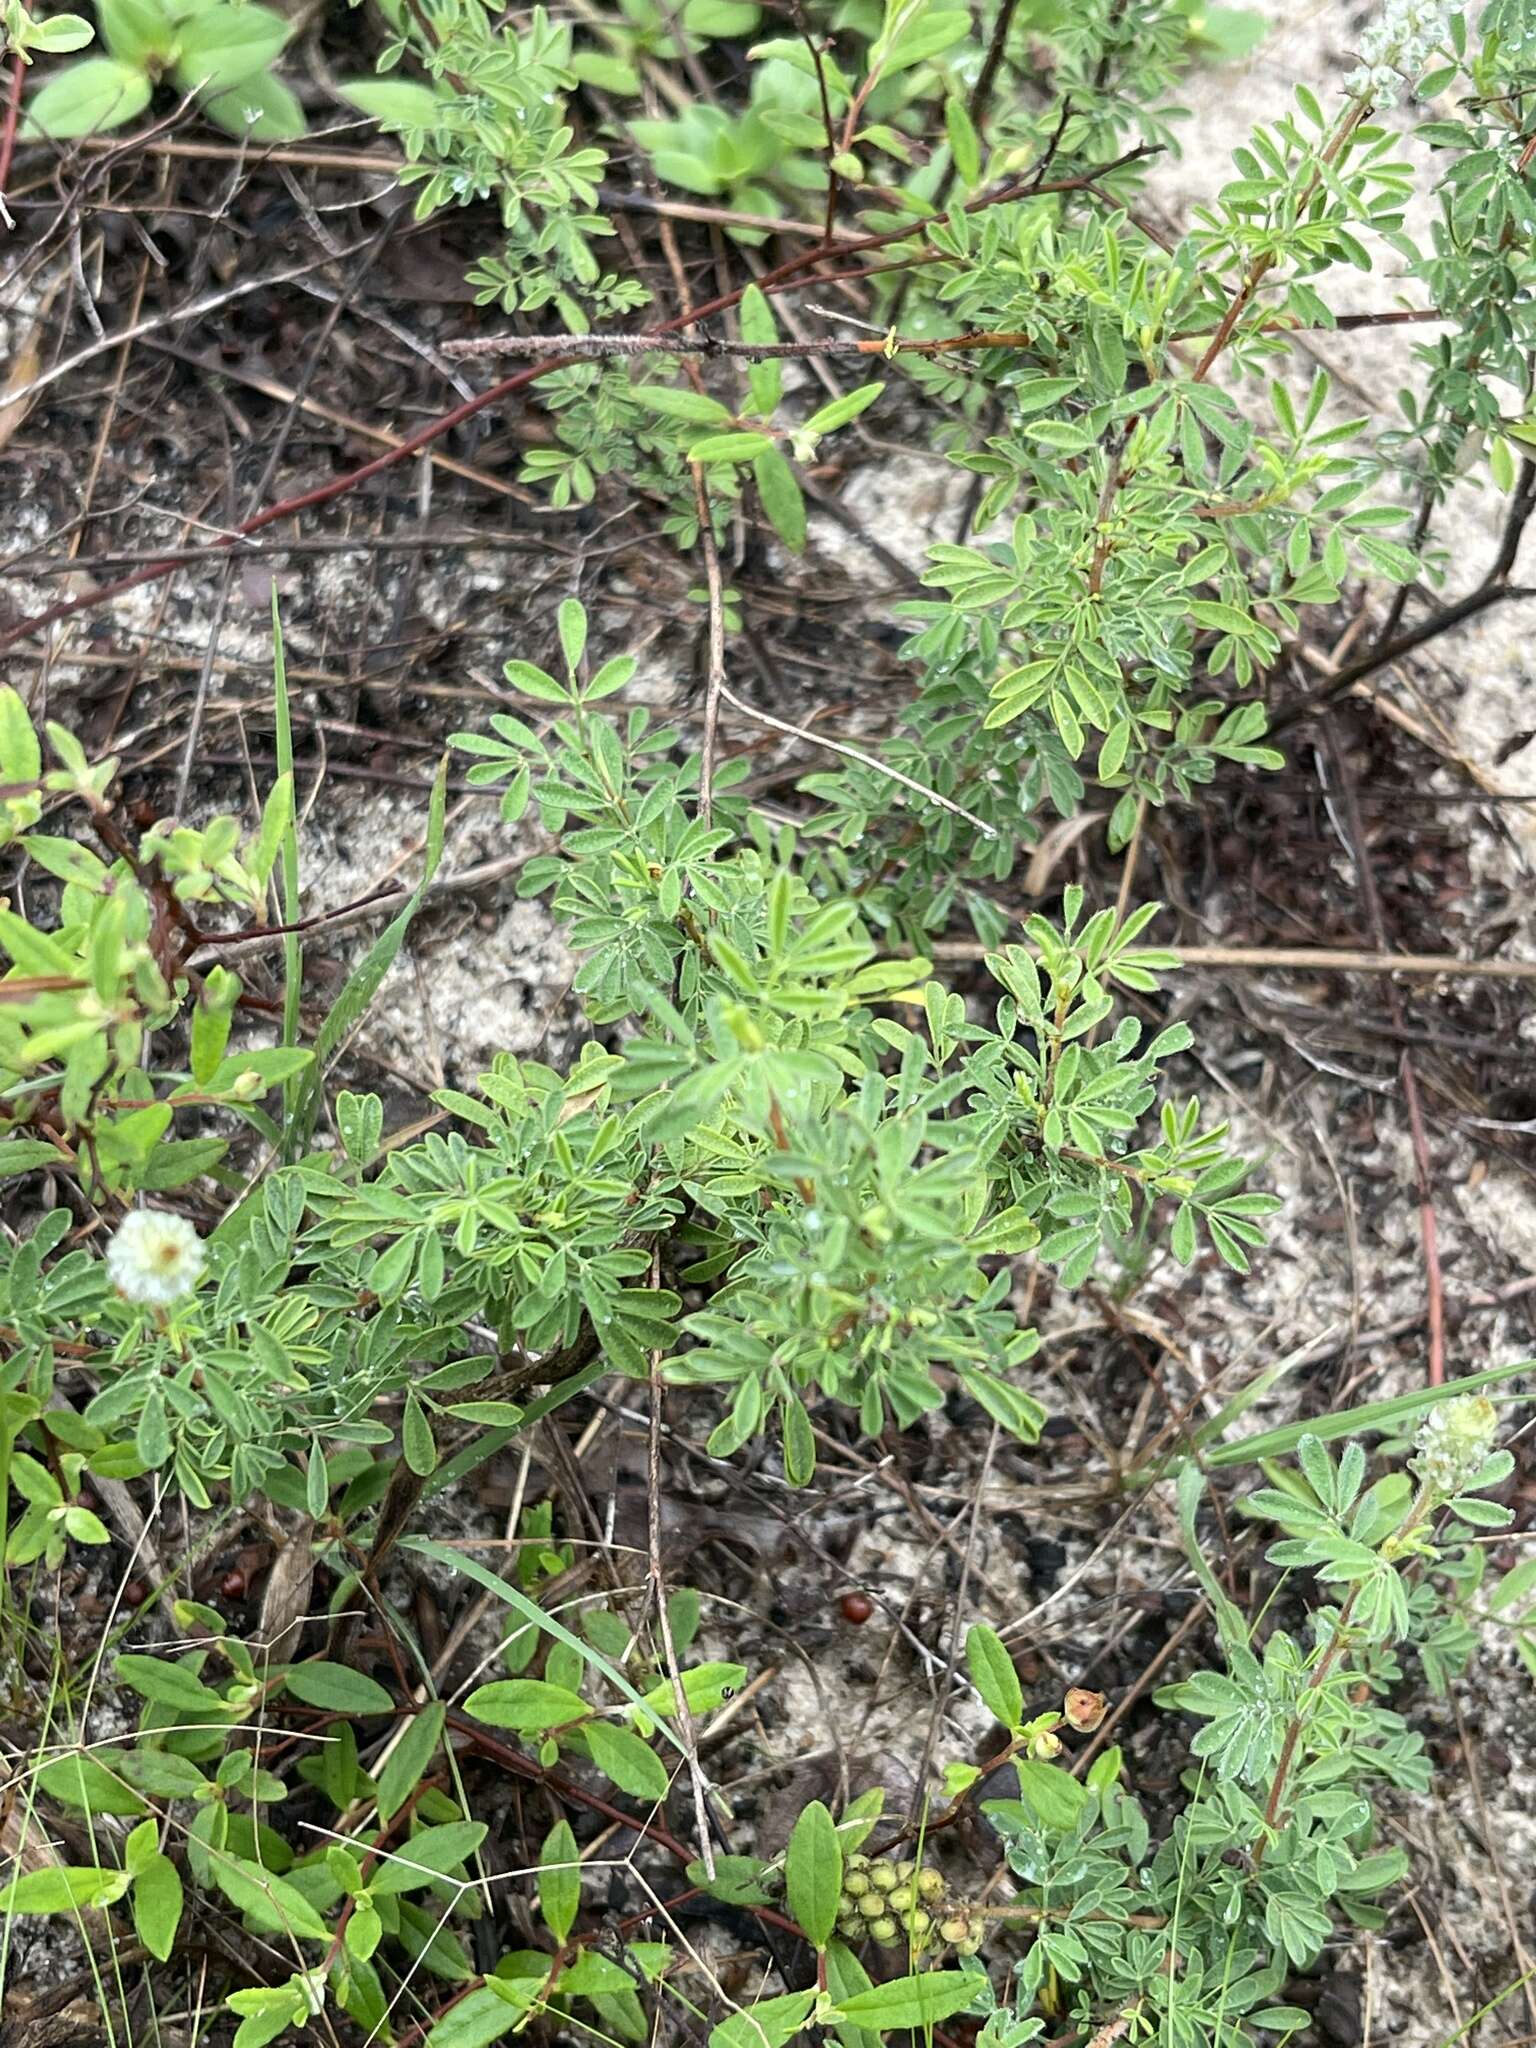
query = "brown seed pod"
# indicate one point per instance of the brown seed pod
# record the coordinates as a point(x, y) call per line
point(857, 1608)
point(1084, 1710)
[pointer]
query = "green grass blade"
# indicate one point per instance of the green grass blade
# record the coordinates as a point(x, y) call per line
point(288, 865)
point(530, 1610)
point(1380, 1416)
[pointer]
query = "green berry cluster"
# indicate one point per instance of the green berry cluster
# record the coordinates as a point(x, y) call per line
point(898, 1903)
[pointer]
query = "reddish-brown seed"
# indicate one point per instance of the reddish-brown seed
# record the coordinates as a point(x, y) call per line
point(857, 1608)
point(232, 1585)
point(135, 1593)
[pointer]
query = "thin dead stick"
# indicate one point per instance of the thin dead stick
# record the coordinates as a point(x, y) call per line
point(820, 739)
point(336, 160)
point(1303, 959)
point(588, 347)
point(306, 159)
point(716, 681)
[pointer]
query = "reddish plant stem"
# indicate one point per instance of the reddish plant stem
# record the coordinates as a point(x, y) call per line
point(8, 131)
point(1297, 1723)
point(508, 387)
point(1261, 266)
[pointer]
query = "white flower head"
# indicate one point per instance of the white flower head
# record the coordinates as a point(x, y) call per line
point(1453, 1443)
point(154, 1257)
point(1397, 46)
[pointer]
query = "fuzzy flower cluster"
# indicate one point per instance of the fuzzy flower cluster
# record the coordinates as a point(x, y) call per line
point(154, 1258)
point(1396, 48)
point(1453, 1443)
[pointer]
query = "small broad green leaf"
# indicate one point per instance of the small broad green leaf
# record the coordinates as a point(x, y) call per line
point(338, 1689)
point(268, 1901)
point(781, 499)
point(679, 402)
point(992, 1671)
point(139, 32)
point(532, 681)
point(729, 448)
point(168, 1684)
point(528, 1705)
point(62, 1889)
point(59, 34)
point(572, 619)
point(813, 1873)
point(493, 2009)
point(22, 1155)
point(85, 98)
point(257, 109)
point(613, 675)
point(913, 35)
point(21, 757)
point(632, 1764)
point(416, 1440)
point(430, 1853)
point(1051, 1793)
point(846, 1978)
point(799, 1449)
point(964, 143)
point(768, 2024)
point(559, 1881)
point(765, 380)
point(222, 45)
point(705, 1688)
point(156, 1904)
point(81, 1781)
point(406, 1764)
point(915, 2002)
point(395, 103)
point(841, 410)
point(737, 1879)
